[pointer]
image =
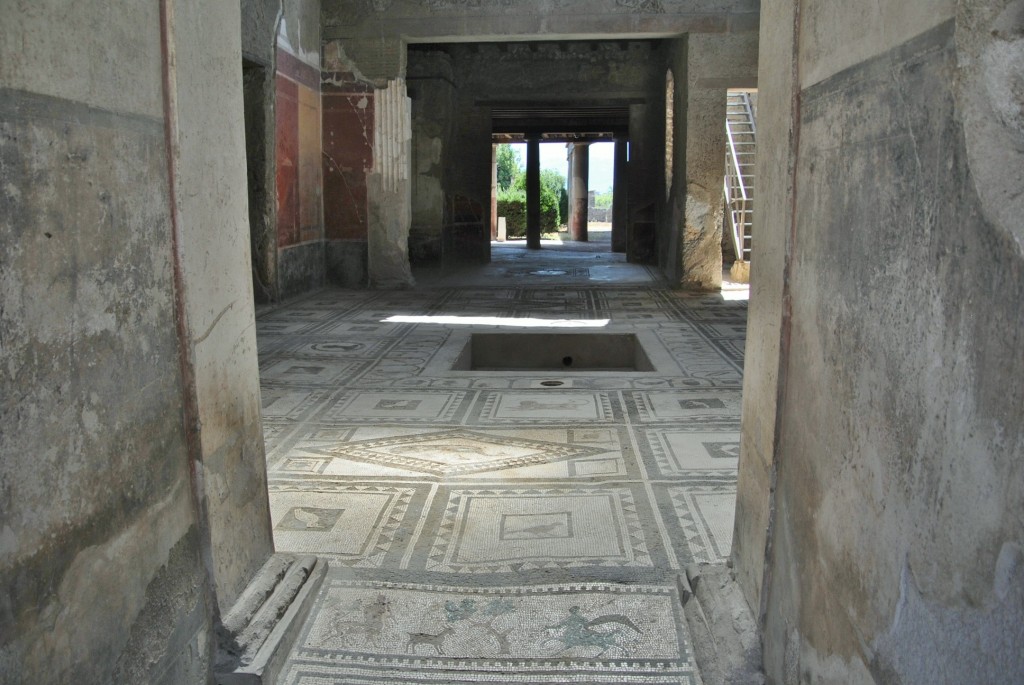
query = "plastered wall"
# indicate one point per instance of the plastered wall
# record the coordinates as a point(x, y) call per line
point(214, 252)
point(298, 146)
point(894, 549)
point(132, 496)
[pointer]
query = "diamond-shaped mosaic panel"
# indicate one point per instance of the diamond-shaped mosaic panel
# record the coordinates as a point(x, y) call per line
point(457, 452)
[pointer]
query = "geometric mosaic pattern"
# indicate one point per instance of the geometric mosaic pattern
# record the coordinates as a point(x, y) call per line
point(705, 515)
point(500, 526)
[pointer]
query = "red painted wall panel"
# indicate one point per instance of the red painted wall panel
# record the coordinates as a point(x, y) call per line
point(287, 117)
point(348, 155)
point(299, 171)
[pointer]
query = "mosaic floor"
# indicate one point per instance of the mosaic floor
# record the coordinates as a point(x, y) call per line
point(484, 526)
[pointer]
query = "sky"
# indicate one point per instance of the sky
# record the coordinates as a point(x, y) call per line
point(553, 156)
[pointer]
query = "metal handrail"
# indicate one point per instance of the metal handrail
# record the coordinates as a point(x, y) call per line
point(737, 228)
point(734, 181)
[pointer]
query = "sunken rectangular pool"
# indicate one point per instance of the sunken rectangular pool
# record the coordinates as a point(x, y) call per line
point(553, 351)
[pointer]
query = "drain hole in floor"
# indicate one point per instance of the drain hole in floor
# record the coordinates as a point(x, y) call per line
point(551, 384)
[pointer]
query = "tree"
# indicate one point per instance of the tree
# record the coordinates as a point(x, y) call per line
point(552, 180)
point(510, 166)
point(551, 183)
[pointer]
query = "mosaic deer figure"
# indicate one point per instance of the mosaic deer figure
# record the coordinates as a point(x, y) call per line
point(434, 640)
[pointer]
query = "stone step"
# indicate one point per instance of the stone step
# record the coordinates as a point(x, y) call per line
point(255, 636)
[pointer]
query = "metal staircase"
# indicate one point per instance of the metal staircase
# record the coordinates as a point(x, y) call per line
point(741, 130)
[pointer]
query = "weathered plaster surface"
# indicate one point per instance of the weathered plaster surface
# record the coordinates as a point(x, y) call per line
point(299, 30)
point(899, 504)
point(100, 561)
point(301, 268)
point(259, 37)
point(431, 84)
point(299, 166)
point(345, 263)
point(213, 216)
point(772, 220)
point(389, 189)
point(990, 95)
point(647, 183)
point(259, 29)
point(705, 66)
point(348, 104)
point(836, 35)
point(444, 20)
point(118, 69)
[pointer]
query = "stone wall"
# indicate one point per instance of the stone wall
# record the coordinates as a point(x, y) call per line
point(890, 478)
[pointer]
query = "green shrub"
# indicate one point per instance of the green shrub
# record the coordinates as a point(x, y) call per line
point(512, 206)
point(548, 211)
point(549, 215)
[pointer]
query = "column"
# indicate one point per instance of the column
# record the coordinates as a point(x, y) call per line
point(389, 187)
point(494, 192)
point(580, 197)
point(533, 192)
point(703, 147)
point(619, 195)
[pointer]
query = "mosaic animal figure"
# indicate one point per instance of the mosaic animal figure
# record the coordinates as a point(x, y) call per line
point(307, 517)
point(578, 631)
point(541, 530)
point(346, 627)
point(534, 405)
point(434, 640)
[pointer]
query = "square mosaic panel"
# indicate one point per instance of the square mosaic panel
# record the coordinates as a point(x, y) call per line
point(676, 452)
point(351, 525)
point(505, 530)
point(380, 632)
point(696, 410)
point(362, 329)
point(396, 407)
point(544, 407)
point(273, 327)
point(353, 346)
point(309, 373)
point(287, 404)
